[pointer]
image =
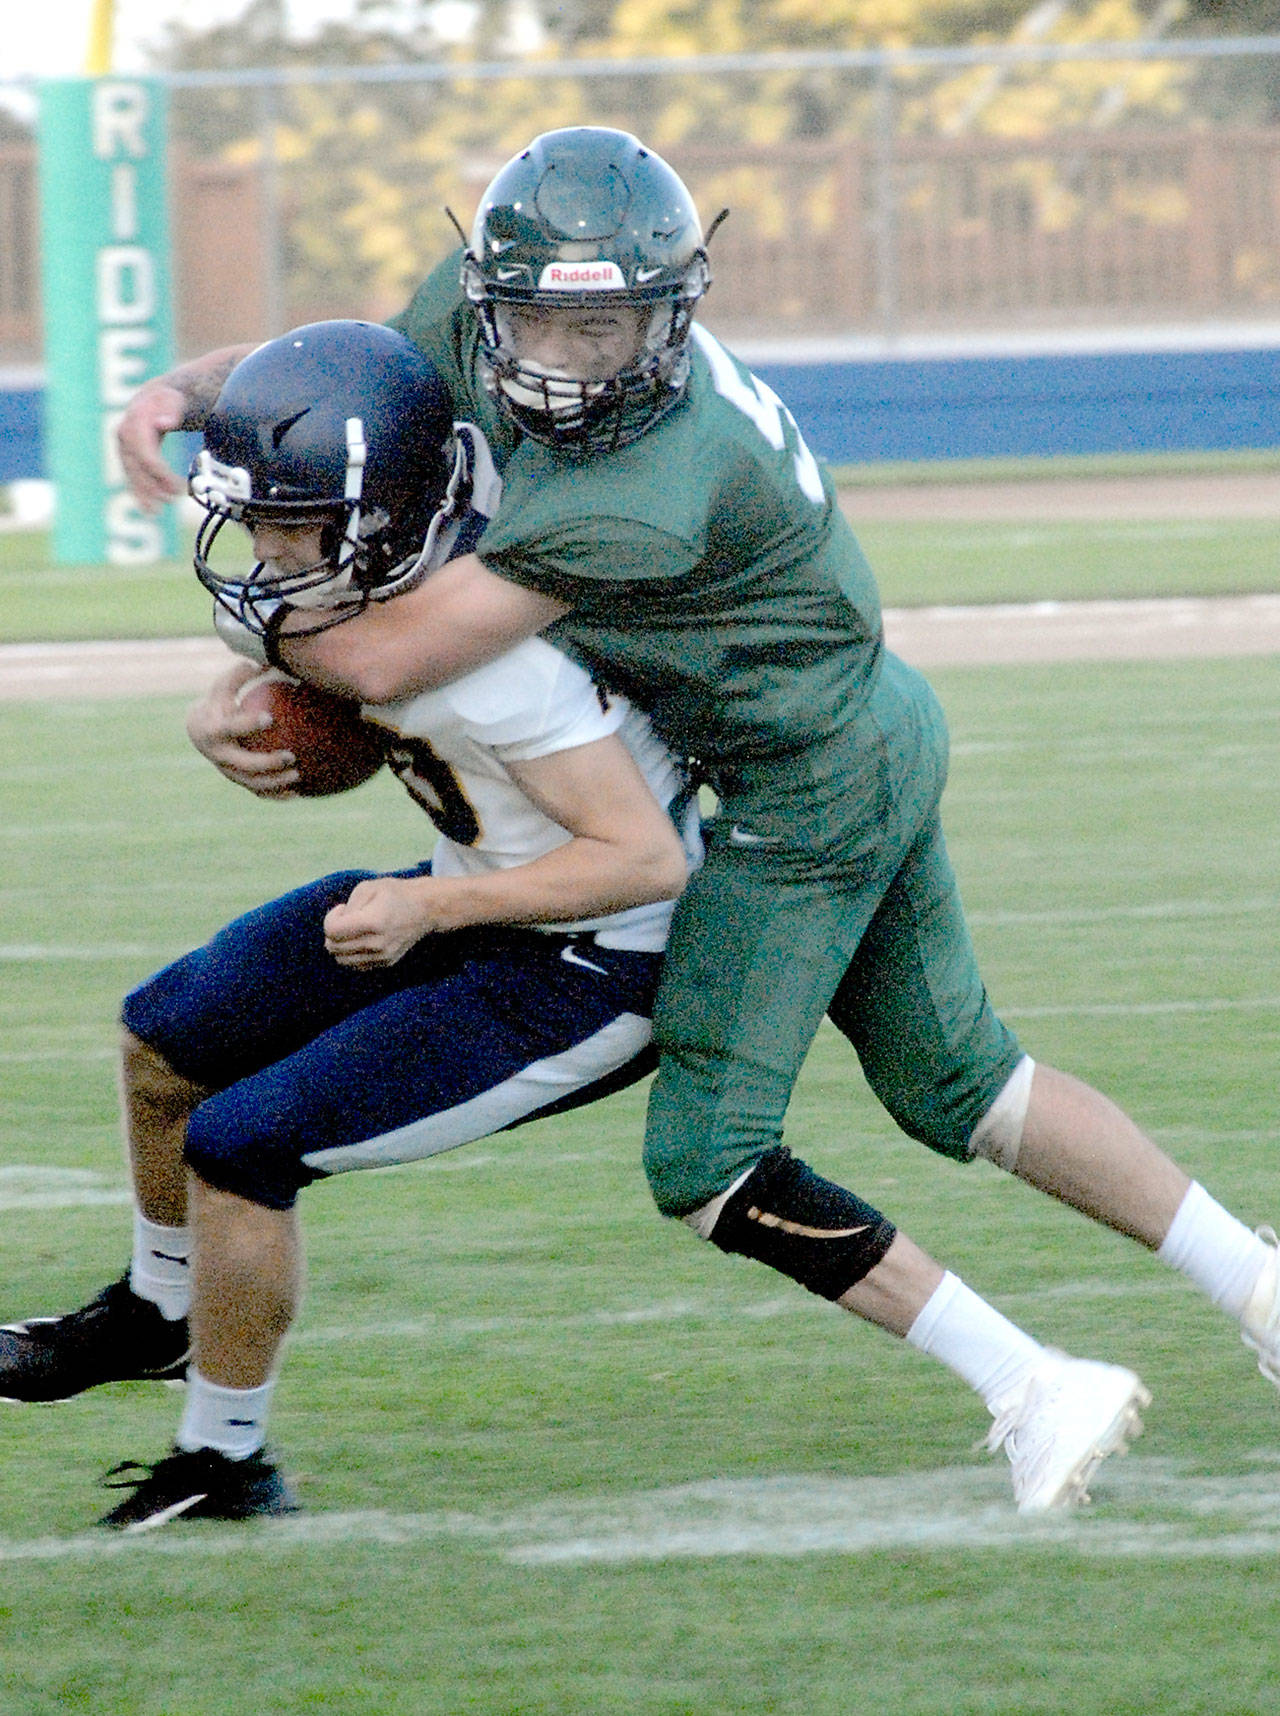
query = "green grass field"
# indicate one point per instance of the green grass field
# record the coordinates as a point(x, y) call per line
point(560, 1459)
point(916, 561)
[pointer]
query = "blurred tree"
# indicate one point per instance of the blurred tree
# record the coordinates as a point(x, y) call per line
point(363, 170)
point(1248, 89)
point(1232, 18)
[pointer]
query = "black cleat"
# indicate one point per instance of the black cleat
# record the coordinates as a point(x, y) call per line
point(200, 1485)
point(116, 1337)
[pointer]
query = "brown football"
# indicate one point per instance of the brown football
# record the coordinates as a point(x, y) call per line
point(336, 750)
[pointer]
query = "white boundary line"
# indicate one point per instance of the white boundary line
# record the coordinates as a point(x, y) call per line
point(1154, 1509)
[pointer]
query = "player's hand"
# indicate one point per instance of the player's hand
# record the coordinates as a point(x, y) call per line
point(218, 724)
point(153, 411)
point(379, 921)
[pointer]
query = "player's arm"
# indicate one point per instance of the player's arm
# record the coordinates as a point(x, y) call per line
point(454, 621)
point(623, 851)
point(457, 619)
point(179, 399)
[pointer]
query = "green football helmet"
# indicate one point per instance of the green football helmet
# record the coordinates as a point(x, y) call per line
point(584, 216)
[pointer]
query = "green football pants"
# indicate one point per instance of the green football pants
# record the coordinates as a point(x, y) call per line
point(827, 889)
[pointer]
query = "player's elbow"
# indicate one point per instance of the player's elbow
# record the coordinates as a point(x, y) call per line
point(362, 658)
point(664, 870)
point(377, 681)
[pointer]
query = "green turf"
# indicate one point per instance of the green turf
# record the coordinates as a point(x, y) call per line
point(41, 601)
point(507, 1364)
point(918, 563)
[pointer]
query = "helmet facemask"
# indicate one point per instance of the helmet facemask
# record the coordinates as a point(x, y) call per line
point(589, 415)
point(361, 555)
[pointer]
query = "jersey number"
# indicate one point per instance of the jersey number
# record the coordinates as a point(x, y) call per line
point(757, 400)
point(431, 782)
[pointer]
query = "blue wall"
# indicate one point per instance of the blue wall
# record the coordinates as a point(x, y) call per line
point(867, 411)
point(21, 433)
point(1000, 407)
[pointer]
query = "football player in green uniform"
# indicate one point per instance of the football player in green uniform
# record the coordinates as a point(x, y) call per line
point(663, 519)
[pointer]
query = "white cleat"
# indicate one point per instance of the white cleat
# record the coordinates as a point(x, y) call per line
point(1260, 1324)
point(1061, 1427)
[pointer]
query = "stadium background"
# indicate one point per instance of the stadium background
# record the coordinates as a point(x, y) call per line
point(970, 252)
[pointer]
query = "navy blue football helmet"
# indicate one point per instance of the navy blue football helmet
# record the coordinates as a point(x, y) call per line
point(341, 422)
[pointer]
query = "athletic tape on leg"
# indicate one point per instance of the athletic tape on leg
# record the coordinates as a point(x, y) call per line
point(785, 1215)
point(998, 1135)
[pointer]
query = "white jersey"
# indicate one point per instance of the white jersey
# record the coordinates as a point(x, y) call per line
point(450, 747)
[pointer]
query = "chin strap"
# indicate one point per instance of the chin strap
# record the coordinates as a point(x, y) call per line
point(271, 637)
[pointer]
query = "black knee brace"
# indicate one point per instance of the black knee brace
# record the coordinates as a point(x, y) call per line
point(785, 1215)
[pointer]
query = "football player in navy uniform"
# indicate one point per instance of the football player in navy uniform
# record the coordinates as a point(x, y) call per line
point(663, 519)
point(364, 1019)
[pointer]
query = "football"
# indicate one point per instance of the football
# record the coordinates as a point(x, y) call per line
point(335, 748)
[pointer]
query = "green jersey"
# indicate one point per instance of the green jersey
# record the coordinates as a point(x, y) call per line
point(712, 577)
point(441, 323)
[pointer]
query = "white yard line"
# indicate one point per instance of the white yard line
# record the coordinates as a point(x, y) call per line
point(1145, 1508)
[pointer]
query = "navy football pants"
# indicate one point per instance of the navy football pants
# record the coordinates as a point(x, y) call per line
point(316, 1069)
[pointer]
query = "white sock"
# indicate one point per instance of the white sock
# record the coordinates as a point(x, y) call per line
point(232, 1420)
point(961, 1330)
point(161, 1267)
point(1214, 1250)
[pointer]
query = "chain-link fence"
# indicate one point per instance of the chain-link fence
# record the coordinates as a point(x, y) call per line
point(871, 195)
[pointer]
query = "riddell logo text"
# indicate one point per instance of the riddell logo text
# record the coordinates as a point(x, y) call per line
point(581, 277)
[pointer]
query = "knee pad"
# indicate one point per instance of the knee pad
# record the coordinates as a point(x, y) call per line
point(785, 1215)
point(998, 1135)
